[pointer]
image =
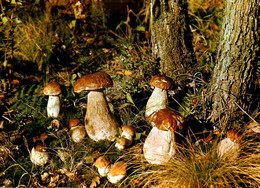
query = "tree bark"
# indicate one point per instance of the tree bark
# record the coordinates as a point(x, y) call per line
point(171, 36)
point(236, 60)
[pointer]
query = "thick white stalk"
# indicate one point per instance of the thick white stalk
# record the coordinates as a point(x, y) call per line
point(157, 101)
point(53, 106)
point(159, 146)
point(227, 149)
point(100, 123)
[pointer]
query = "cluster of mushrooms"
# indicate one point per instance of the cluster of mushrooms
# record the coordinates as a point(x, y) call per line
point(100, 124)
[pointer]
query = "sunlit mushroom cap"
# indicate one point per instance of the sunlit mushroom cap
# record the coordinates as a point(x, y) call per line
point(233, 135)
point(52, 89)
point(102, 162)
point(129, 130)
point(162, 82)
point(74, 122)
point(166, 119)
point(119, 168)
point(92, 82)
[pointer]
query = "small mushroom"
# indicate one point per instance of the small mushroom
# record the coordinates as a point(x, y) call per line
point(103, 164)
point(126, 137)
point(117, 172)
point(38, 155)
point(159, 145)
point(159, 99)
point(77, 130)
point(121, 143)
point(128, 132)
point(100, 123)
point(53, 107)
point(229, 147)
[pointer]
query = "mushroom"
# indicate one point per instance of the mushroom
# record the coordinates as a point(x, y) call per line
point(229, 147)
point(77, 130)
point(117, 172)
point(100, 123)
point(126, 137)
point(159, 145)
point(103, 164)
point(53, 106)
point(38, 155)
point(128, 132)
point(121, 143)
point(159, 99)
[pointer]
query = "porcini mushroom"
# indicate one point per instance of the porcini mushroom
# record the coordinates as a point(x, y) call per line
point(103, 164)
point(117, 172)
point(100, 123)
point(53, 107)
point(229, 147)
point(159, 99)
point(159, 145)
point(121, 143)
point(77, 130)
point(128, 132)
point(38, 155)
point(126, 138)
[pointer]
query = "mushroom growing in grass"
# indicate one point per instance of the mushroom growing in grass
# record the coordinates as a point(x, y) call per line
point(77, 130)
point(159, 99)
point(53, 107)
point(100, 123)
point(38, 155)
point(117, 172)
point(121, 143)
point(126, 137)
point(229, 147)
point(103, 164)
point(159, 145)
point(128, 132)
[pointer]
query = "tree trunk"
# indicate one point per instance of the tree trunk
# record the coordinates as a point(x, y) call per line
point(170, 36)
point(236, 60)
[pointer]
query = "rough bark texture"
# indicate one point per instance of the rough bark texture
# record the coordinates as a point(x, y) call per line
point(236, 59)
point(170, 35)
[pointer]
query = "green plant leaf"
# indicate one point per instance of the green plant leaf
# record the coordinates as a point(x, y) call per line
point(124, 105)
point(140, 28)
point(129, 98)
point(4, 19)
point(111, 107)
point(72, 24)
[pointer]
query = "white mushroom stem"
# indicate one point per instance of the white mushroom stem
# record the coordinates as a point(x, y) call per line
point(115, 179)
point(78, 133)
point(158, 100)
point(127, 136)
point(159, 146)
point(100, 123)
point(53, 106)
point(104, 170)
point(227, 149)
point(39, 158)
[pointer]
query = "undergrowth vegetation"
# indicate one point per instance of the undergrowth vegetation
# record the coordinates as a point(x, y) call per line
point(37, 48)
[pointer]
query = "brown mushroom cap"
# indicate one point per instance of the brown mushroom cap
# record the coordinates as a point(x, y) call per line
point(233, 135)
point(166, 119)
point(119, 168)
point(162, 82)
point(92, 82)
point(52, 89)
point(102, 162)
point(40, 148)
point(74, 122)
point(129, 129)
